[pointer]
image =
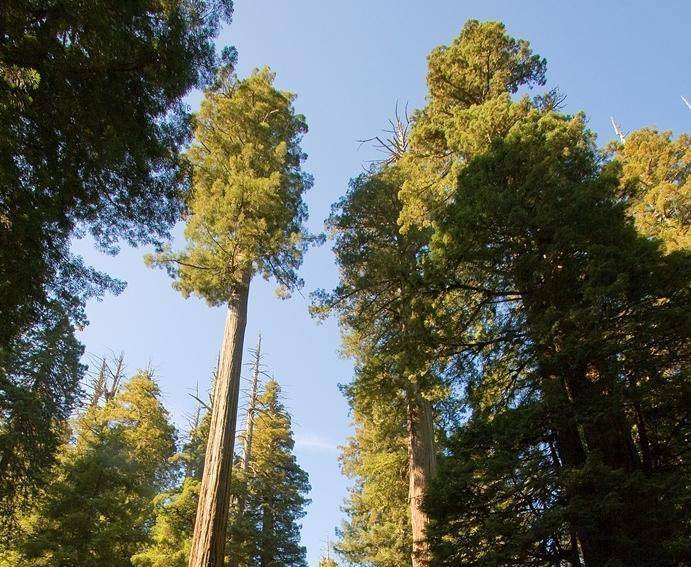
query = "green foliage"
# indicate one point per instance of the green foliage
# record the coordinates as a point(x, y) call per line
point(272, 493)
point(91, 125)
point(377, 529)
point(91, 128)
point(496, 499)
point(174, 510)
point(576, 288)
point(656, 186)
point(246, 209)
point(171, 535)
point(268, 533)
point(38, 383)
point(483, 62)
point(470, 84)
point(97, 508)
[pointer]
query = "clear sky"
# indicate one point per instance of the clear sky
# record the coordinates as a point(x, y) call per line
point(349, 62)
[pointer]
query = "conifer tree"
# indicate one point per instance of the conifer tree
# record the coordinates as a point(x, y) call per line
point(276, 490)
point(272, 486)
point(377, 529)
point(382, 229)
point(656, 185)
point(380, 300)
point(175, 509)
point(97, 509)
point(91, 129)
point(245, 216)
point(599, 311)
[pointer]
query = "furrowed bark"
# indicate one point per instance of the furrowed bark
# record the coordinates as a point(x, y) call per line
point(422, 466)
point(249, 433)
point(208, 540)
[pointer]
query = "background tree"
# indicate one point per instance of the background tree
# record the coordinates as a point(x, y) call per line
point(377, 529)
point(91, 125)
point(265, 531)
point(276, 489)
point(97, 509)
point(245, 216)
point(656, 186)
point(175, 509)
point(39, 380)
point(580, 289)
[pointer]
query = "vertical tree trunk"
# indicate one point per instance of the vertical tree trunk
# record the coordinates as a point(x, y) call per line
point(249, 432)
point(209, 537)
point(422, 466)
point(266, 551)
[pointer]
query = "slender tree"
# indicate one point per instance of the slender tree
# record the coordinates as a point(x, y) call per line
point(245, 216)
point(377, 528)
point(276, 488)
point(247, 442)
point(379, 301)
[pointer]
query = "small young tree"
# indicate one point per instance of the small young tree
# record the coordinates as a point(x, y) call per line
point(276, 489)
point(245, 216)
point(174, 510)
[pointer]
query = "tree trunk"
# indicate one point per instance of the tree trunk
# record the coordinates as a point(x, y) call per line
point(266, 552)
point(422, 466)
point(209, 537)
point(576, 439)
point(249, 432)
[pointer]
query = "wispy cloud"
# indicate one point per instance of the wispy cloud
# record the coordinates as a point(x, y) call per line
point(315, 443)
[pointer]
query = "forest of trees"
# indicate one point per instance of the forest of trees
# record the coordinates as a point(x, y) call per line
point(514, 297)
point(516, 300)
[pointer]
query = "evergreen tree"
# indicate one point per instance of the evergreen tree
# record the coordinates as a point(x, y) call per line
point(602, 316)
point(377, 529)
point(470, 84)
point(656, 186)
point(175, 509)
point(39, 379)
point(276, 491)
point(91, 125)
point(380, 303)
point(246, 214)
point(272, 488)
point(97, 509)
point(382, 230)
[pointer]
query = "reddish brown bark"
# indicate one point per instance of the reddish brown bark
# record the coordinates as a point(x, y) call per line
point(422, 467)
point(208, 540)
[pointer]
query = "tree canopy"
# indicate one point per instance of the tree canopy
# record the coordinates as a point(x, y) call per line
point(91, 129)
point(246, 211)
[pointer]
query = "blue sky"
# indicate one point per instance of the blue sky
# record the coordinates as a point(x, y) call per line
point(349, 63)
